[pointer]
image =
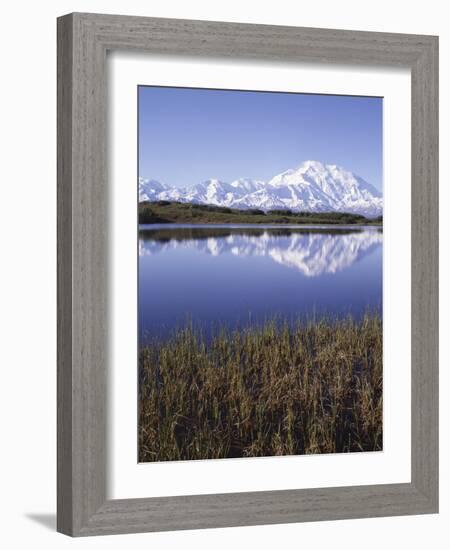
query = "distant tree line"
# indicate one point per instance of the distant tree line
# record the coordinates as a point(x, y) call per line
point(164, 211)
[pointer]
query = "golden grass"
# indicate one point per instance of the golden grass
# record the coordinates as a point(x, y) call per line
point(272, 390)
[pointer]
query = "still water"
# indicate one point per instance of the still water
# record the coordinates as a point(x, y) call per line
point(231, 276)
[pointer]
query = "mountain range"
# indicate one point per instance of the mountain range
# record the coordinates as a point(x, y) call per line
point(310, 187)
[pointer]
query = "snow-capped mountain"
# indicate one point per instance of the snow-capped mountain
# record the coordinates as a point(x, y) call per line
point(311, 187)
point(149, 190)
point(312, 254)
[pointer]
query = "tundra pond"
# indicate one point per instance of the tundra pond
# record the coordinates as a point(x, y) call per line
point(232, 276)
point(259, 341)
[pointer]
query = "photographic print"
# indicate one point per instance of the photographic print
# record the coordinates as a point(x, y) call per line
point(260, 230)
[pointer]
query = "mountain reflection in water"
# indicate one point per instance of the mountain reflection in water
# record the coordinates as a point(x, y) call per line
point(230, 276)
point(313, 252)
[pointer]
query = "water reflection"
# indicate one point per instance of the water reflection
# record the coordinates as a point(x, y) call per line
point(231, 276)
point(312, 251)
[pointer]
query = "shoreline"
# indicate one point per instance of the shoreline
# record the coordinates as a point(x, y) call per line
point(168, 213)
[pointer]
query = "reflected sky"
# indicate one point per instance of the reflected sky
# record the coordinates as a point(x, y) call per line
point(216, 276)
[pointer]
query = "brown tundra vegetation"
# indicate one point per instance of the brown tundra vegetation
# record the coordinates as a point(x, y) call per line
point(262, 391)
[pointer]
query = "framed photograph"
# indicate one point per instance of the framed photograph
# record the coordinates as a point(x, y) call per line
point(247, 274)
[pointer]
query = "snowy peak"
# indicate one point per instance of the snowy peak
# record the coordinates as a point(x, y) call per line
point(309, 168)
point(312, 187)
point(149, 190)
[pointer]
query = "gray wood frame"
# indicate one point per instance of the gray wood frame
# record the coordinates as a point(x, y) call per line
point(83, 40)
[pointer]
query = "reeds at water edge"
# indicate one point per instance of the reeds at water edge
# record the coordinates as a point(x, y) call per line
point(276, 389)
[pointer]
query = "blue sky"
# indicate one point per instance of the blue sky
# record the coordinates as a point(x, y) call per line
point(188, 135)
